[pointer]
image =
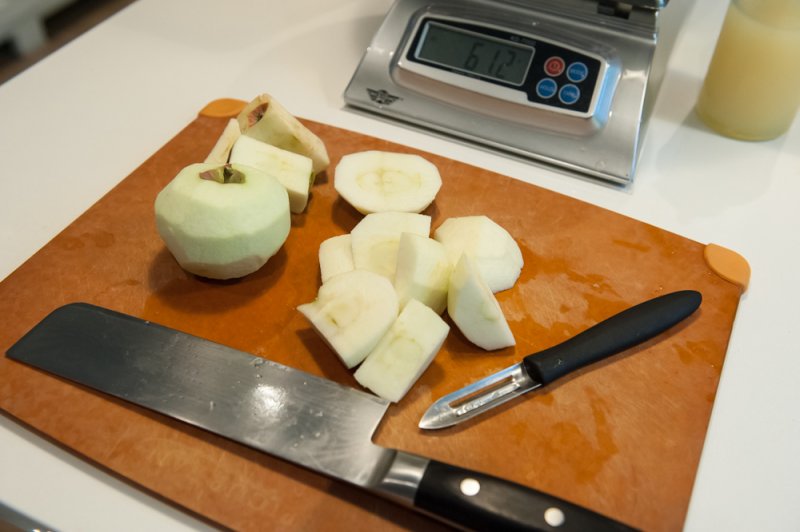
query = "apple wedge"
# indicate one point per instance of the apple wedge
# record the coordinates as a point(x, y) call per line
point(404, 352)
point(335, 256)
point(222, 222)
point(494, 250)
point(380, 181)
point(474, 309)
point(265, 119)
point(221, 151)
point(291, 169)
point(352, 312)
point(376, 237)
point(423, 271)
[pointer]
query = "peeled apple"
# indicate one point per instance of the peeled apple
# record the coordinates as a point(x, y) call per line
point(423, 271)
point(495, 252)
point(222, 222)
point(404, 352)
point(265, 119)
point(352, 312)
point(376, 237)
point(379, 181)
point(291, 169)
point(474, 309)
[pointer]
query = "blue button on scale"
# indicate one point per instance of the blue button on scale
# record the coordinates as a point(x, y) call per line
point(577, 72)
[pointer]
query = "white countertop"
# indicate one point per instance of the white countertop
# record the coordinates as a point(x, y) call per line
point(77, 123)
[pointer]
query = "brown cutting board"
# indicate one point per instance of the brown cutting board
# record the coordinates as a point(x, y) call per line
point(622, 437)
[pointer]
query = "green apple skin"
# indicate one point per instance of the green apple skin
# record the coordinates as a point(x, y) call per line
point(222, 230)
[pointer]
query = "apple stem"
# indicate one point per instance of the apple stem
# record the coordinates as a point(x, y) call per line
point(223, 174)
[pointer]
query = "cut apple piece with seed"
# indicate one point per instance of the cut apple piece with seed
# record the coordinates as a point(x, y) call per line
point(474, 309)
point(335, 256)
point(222, 222)
point(268, 121)
point(404, 352)
point(352, 312)
point(494, 250)
point(423, 271)
point(379, 181)
point(376, 237)
point(222, 149)
point(291, 169)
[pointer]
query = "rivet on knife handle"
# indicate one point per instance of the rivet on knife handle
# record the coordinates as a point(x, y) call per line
point(482, 502)
point(618, 333)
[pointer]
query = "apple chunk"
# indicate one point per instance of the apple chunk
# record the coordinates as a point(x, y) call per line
point(494, 250)
point(423, 271)
point(291, 169)
point(265, 119)
point(221, 151)
point(376, 237)
point(404, 352)
point(335, 256)
point(380, 181)
point(222, 222)
point(352, 312)
point(474, 309)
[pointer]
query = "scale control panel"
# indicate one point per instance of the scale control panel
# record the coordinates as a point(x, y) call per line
point(504, 65)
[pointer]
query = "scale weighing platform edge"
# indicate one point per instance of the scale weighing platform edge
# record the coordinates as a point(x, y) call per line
point(570, 83)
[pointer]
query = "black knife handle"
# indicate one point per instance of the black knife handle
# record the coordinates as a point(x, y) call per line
point(619, 332)
point(477, 501)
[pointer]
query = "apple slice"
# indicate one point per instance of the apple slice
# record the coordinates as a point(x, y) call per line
point(376, 237)
point(423, 271)
point(404, 352)
point(222, 149)
point(222, 222)
point(268, 121)
point(494, 250)
point(352, 312)
point(380, 181)
point(291, 169)
point(474, 309)
point(335, 256)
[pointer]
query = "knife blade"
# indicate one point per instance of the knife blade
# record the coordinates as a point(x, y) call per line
point(613, 335)
point(308, 420)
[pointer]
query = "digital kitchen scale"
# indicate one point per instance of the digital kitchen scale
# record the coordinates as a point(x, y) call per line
point(566, 82)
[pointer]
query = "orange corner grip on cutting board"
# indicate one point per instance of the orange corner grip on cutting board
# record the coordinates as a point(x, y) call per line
point(728, 264)
point(223, 108)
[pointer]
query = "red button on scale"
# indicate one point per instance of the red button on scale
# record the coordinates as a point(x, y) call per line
point(554, 66)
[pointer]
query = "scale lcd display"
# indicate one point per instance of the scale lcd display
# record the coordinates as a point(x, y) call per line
point(470, 52)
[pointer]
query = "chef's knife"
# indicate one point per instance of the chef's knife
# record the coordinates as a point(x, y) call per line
point(619, 332)
point(296, 416)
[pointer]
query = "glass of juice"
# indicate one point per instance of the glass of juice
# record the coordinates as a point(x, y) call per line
point(752, 88)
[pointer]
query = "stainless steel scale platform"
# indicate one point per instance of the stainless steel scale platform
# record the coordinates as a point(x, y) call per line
point(565, 82)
